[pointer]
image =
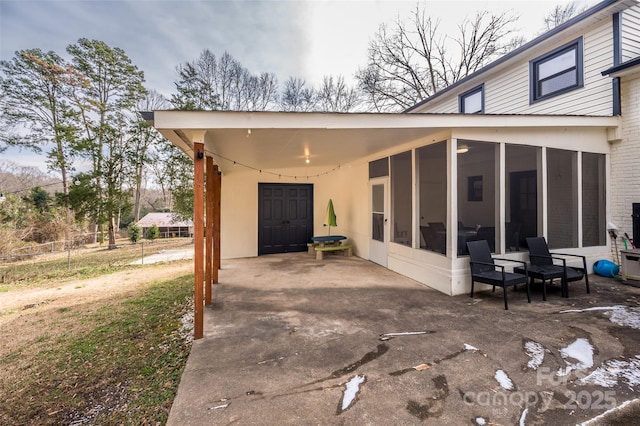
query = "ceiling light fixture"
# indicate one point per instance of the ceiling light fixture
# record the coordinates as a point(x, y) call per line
point(307, 160)
point(462, 149)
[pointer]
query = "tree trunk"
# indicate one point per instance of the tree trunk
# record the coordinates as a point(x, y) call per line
point(112, 232)
point(94, 232)
point(138, 195)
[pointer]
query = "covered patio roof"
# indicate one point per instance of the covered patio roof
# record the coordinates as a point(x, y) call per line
point(272, 140)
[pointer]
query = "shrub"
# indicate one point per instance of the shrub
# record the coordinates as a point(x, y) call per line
point(152, 232)
point(134, 232)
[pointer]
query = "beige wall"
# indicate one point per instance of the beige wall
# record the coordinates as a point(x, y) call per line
point(347, 187)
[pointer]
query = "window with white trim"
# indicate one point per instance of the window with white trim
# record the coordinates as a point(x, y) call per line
point(556, 72)
point(472, 101)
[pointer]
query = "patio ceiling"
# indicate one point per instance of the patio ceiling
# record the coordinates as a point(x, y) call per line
point(277, 140)
point(285, 148)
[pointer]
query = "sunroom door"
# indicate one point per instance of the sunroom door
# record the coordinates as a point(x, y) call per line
point(378, 245)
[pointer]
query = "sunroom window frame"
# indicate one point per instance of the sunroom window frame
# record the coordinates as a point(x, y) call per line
point(535, 83)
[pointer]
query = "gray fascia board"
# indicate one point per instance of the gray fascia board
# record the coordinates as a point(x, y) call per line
point(147, 116)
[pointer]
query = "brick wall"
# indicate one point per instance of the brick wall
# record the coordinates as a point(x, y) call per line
point(625, 157)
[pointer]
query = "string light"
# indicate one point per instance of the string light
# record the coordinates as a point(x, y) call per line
point(280, 175)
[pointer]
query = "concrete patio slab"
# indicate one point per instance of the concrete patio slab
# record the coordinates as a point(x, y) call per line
point(291, 340)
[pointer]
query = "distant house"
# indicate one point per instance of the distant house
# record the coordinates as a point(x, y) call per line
point(167, 224)
point(542, 142)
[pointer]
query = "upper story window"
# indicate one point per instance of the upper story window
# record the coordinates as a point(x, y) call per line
point(472, 101)
point(556, 72)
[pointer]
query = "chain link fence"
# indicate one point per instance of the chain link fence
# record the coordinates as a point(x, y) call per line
point(30, 251)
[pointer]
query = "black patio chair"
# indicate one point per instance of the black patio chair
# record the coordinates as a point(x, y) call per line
point(547, 266)
point(438, 227)
point(487, 233)
point(484, 270)
point(434, 240)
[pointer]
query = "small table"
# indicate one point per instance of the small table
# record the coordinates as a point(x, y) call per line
point(325, 240)
point(328, 239)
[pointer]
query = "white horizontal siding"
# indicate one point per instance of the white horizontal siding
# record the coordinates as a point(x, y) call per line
point(507, 90)
point(444, 105)
point(508, 93)
point(631, 33)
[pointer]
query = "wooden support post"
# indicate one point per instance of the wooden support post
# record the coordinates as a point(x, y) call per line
point(217, 195)
point(212, 177)
point(198, 237)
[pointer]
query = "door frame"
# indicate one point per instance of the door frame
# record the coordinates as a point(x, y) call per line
point(379, 250)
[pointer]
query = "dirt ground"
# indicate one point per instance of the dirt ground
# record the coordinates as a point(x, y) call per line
point(25, 302)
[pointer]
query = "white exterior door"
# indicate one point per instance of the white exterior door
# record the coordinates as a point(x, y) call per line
point(379, 204)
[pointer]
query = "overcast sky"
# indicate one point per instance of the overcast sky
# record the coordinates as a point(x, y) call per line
point(306, 39)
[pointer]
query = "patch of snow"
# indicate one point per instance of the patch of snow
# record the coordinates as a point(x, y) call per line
point(535, 351)
point(581, 351)
point(596, 420)
point(468, 347)
point(186, 327)
point(620, 315)
point(504, 380)
point(612, 371)
point(523, 416)
point(480, 421)
point(626, 317)
point(351, 390)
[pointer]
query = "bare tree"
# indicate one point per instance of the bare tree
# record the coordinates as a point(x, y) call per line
point(297, 97)
point(196, 85)
point(222, 83)
point(262, 92)
point(18, 179)
point(562, 13)
point(335, 96)
point(408, 62)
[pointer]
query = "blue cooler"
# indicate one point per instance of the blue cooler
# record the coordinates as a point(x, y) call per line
point(606, 268)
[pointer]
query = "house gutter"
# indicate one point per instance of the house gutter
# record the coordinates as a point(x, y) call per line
point(623, 68)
